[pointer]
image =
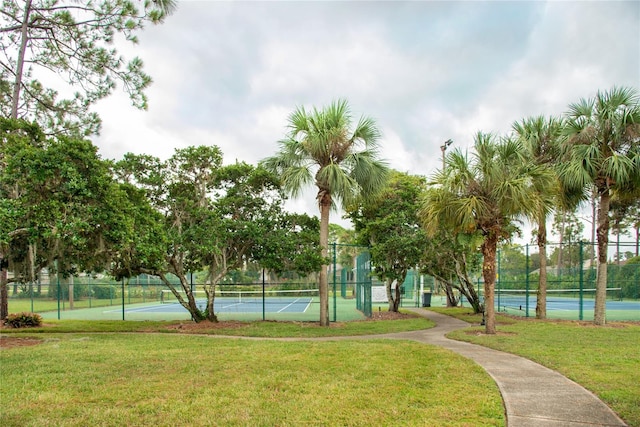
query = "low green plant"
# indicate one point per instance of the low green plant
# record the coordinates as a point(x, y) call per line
point(23, 320)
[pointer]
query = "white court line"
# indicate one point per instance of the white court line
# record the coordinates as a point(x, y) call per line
point(288, 305)
point(295, 302)
point(307, 307)
point(136, 310)
point(231, 305)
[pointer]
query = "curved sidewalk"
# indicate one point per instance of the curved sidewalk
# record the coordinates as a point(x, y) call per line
point(534, 396)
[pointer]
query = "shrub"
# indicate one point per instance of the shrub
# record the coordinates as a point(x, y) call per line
point(23, 320)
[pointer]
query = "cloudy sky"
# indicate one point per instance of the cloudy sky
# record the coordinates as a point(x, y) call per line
point(229, 73)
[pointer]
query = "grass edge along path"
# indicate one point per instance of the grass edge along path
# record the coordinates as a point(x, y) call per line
point(139, 378)
point(604, 360)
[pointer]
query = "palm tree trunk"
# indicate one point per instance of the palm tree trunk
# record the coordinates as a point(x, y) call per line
point(599, 315)
point(541, 303)
point(323, 285)
point(489, 249)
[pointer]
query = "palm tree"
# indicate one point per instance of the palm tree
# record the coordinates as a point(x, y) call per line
point(321, 148)
point(603, 153)
point(484, 194)
point(542, 137)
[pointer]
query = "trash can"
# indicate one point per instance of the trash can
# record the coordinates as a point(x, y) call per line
point(426, 299)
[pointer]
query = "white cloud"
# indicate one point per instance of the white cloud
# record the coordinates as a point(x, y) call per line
point(229, 73)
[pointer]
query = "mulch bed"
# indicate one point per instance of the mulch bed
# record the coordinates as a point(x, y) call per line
point(7, 341)
point(12, 342)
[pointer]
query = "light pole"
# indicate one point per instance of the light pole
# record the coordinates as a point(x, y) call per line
point(443, 148)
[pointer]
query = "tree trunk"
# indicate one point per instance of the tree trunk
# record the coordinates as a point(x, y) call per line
point(599, 315)
point(70, 282)
point(190, 304)
point(390, 294)
point(541, 302)
point(4, 291)
point(489, 249)
point(452, 301)
point(466, 285)
point(394, 296)
point(17, 84)
point(323, 285)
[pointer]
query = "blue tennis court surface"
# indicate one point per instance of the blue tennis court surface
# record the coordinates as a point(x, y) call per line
point(564, 304)
point(222, 305)
point(568, 304)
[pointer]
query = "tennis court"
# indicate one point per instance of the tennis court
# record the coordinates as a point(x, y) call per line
point(239, 302)
point(293, 305)
point(575, 304)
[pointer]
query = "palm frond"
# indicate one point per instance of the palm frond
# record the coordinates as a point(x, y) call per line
point(619, 168)
point(583, 109)
point(574, 177)
point(335, 180)
point(296, 178)
point(366, 132)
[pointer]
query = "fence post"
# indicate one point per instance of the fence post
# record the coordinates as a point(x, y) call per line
point(122, 298)
point(335, 307)
point(581, 283)
point(497, 281)
point(58, 285)
point(526, 280)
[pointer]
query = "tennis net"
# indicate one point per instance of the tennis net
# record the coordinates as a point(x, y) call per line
point(249, 296)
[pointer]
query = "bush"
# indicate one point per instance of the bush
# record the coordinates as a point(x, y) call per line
point(23, 320)
point(103, 291)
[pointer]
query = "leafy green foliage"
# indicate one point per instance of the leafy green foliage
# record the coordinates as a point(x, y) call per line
point(67, 201)
point(61, 208)
point(205, 216)
point(23, 320)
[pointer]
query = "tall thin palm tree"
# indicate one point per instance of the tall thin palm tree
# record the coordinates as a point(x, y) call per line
point(602, 152)
point(322, 149)
point(484, 194)
point(542, 137)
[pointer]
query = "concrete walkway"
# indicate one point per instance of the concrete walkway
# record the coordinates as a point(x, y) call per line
point(534, 396)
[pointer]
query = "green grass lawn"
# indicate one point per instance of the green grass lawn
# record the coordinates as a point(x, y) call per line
point(90, 372)
point(605, 360)
point(114, 379)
